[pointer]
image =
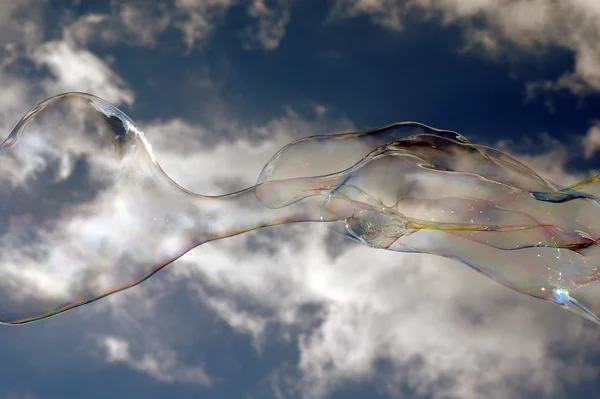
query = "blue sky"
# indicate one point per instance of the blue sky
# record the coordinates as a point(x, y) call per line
point(218, 86)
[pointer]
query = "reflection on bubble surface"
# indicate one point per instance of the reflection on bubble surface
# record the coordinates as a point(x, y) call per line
point(87, 210)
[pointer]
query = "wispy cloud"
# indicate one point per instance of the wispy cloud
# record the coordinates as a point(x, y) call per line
point(157, 361)
point(413, 322)
point(270, 24)
point(501, 27)
point(367, 309)
point(77, 69)
point(134, 23)
point(33, 68)
point(379, 315)
point(352, 313)
point(142, 24)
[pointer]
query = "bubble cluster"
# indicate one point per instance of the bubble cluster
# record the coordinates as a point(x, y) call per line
point(87, 211)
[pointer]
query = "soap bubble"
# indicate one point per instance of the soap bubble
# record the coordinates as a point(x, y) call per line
point(87, 211)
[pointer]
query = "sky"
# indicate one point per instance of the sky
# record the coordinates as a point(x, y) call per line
point(297, 311)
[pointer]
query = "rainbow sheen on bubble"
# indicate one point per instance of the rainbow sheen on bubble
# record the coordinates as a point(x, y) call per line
point(87, 211)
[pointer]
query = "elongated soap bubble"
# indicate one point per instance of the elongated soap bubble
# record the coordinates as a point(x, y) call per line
point(87, 211)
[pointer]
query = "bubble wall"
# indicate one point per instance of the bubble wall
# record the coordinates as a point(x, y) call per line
point(87, 211)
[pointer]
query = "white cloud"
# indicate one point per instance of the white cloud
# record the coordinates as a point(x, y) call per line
point(81, 253)
point(389, 306)
point(142, 23)
point(158, 362)
point(21, 22)
point(72, 67)
point(199, 17)
point(78, 69)
point(443, 330)
point(528, 25)
point(238, 319)
point(134, 23)
point(25, 61)
point(21, 26)
point(270, 24)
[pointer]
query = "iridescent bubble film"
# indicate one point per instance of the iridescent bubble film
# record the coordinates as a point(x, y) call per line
point(87, 211)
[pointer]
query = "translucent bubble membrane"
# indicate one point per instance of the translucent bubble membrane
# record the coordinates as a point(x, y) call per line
point(87, 211)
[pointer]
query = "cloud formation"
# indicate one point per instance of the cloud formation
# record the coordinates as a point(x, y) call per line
point(411, 323)
point(377, 316)
point(76, 69)
point(499, 28)
point(269, 24)
point(33, 68)
point(353, 313)
point(158, 362)
point(142, 24)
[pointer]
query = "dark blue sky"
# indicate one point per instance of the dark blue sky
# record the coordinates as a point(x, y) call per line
point(219, 86)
